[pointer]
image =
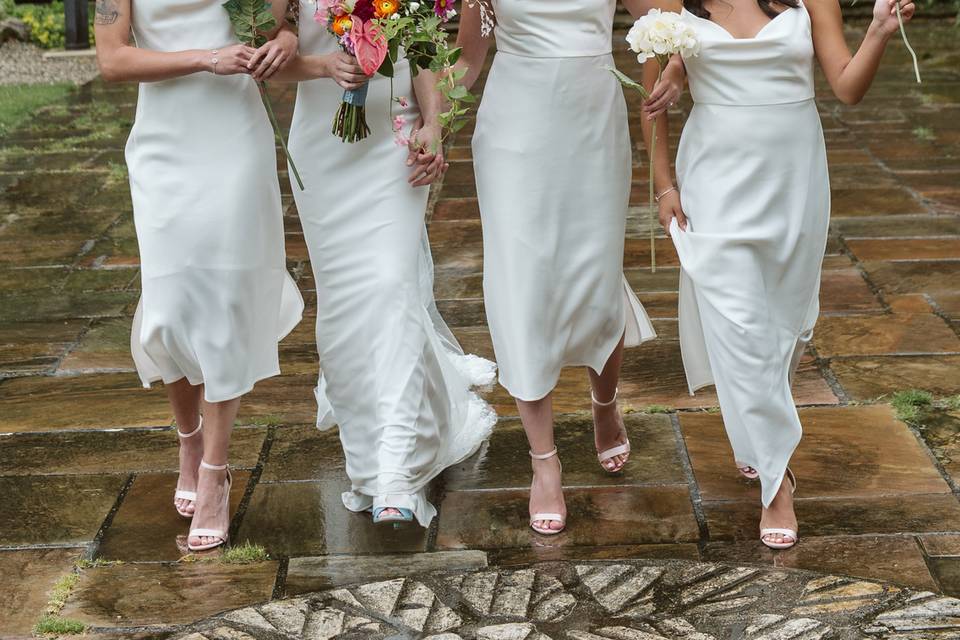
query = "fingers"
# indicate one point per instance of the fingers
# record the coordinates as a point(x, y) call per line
point(348, 74)
point(681, 218)
point(427, 169)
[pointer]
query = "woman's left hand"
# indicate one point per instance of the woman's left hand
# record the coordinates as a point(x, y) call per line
point(273, 56)
point(664, 95)
point(426, 155)
point(885, 14)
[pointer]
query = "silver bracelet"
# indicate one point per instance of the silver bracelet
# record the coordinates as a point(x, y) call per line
point(663, 193)
point(215, 60)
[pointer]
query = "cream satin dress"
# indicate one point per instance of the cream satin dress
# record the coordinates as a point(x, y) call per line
point(752, 170)
point(393, 376)
point(216, 295)
point(551, 154)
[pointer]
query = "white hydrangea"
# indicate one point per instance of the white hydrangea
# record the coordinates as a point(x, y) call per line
point(661, 34)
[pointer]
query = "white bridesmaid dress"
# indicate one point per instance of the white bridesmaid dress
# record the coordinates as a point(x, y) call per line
point(752, 170)
point(216, 296)
point(552, 160)
point(393, 376)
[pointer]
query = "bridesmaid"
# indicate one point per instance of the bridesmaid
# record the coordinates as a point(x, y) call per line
point(553, 168)
point(216, 296)
point(394, 378)
point(752, 230)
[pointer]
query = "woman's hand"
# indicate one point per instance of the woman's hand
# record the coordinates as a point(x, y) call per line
point(345, 70)
point(885, 14)
point(664, 95)
point(426, 155)
point(669, 206)
point(231, 60)
point(273, 56)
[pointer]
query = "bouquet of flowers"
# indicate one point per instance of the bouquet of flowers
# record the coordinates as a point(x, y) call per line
point(658, 35)
point(375, 31)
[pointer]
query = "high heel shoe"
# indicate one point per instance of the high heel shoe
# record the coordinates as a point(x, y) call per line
point(404, 515)
point(554, 517)
point(180, 494)
point(787, 533)
point(747, 471)
point(220, 534)
point(620, 449)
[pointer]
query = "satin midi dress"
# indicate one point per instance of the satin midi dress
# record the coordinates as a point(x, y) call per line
point(752, 172)
point(393, 376)
point(216, 296)
point(552, 160)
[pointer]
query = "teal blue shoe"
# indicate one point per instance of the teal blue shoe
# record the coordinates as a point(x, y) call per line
point(379, 518)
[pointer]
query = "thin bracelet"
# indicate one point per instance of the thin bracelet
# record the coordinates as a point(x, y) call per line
point(663, 193)
point(214, 60)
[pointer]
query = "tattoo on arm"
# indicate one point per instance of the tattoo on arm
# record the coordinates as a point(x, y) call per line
point(107, 12)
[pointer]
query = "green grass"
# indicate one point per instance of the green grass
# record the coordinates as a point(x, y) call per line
point(656, 408)
point(55, 625)
point(910, 405)
point(924, 133)
point(118, 173)
point(263, 421)
point(246, 553)
point(952, 403)
point(61, 591)
point(19, 101)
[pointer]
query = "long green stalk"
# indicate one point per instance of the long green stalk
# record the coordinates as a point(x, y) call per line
point(278, 133)
point(906, 43)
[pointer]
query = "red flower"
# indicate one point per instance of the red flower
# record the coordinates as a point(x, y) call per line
point(364, 10)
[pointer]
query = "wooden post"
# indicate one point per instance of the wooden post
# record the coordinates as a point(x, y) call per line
point(78, 25)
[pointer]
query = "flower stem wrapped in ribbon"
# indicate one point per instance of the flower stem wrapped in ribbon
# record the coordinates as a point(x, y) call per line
point(657, 35)
point(375, 32)
point(251, 19)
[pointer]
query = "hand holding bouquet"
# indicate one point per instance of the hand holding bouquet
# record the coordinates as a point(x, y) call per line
point(658, 35)
point(375, 32)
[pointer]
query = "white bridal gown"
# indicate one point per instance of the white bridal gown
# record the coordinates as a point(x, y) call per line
point(752, 169)
point(552, 160)
point(216, 295)
point(393, 376)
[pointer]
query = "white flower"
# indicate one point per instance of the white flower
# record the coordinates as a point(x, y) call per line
point(414, 6)
point(661, 34)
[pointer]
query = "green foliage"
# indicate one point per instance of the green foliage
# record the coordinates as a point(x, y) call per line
point(246, 553)
point(251, 19)
point(19, 101)
point(924, 133)
point(656, 408)
point(46, 21)
point(910, 405)
point(628, 82)
point(56, 625)
point(61, 591)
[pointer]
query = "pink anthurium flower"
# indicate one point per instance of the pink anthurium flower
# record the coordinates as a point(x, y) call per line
point(369, 46)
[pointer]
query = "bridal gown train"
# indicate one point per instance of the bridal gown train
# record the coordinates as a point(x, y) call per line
point(552, 160)
point(752, 170)
point(393, 376)
point(216, 296)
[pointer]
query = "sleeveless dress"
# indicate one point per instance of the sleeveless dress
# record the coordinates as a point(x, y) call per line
point(552, 160)
point(393, 376)
point(752, 173)
point(216, 296)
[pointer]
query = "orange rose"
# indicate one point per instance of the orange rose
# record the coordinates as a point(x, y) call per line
point(342, 24)
point(386, 8)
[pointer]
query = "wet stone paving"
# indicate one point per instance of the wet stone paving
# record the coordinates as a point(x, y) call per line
point(668, 549)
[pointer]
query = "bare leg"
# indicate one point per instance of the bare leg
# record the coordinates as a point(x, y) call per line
point(185, 400)
point(780, 515)
point(608, 429)
point(218, 419)
point(546, 493)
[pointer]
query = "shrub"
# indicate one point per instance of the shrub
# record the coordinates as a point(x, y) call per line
point(46, 21)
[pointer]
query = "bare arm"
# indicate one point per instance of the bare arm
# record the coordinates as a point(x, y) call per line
point(119, 61)
point(850, 76)
point(474, 45)
point(281, 48)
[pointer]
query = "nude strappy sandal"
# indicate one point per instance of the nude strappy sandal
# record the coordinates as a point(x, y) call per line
point(180, 494)
point(787, 533)
point(220, 534)
point(555, 517)
point(620, 449)
point(747, 471)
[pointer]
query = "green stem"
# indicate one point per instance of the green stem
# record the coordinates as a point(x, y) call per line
point(653, 200)
point(279, 134)
point(903, 34)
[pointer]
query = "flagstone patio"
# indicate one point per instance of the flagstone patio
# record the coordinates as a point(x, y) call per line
point(667, 549)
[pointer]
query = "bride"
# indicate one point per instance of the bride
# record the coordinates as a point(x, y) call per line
point(393, 376)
